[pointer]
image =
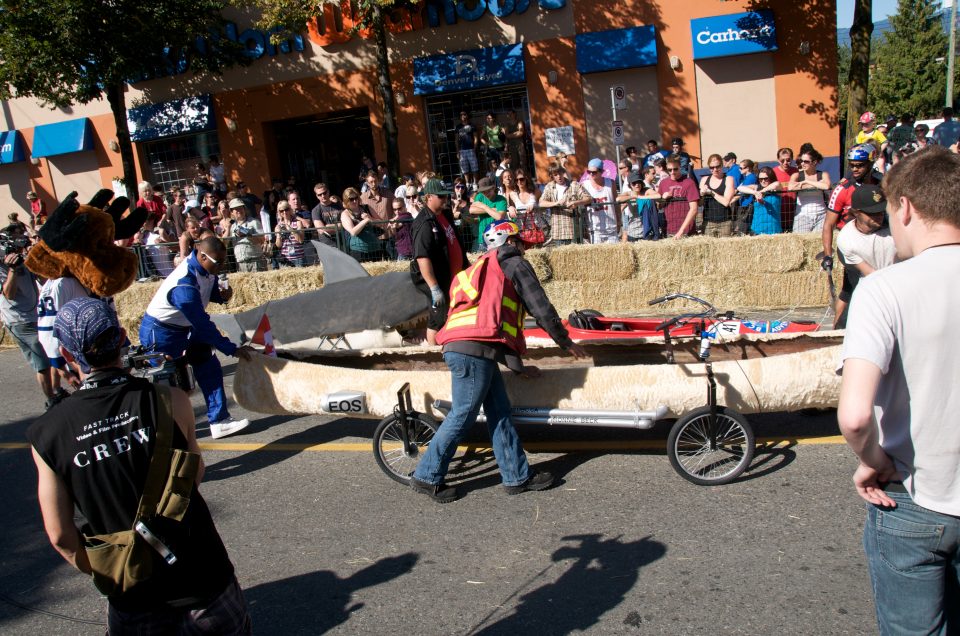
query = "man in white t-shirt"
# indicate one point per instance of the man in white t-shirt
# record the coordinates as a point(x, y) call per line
point(866, 244)
point(899, 401)
point(604, 220)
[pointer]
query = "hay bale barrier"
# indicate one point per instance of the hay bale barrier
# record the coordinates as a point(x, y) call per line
point(740, 273)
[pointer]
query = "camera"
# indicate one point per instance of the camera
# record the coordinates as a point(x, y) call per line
point(242, 232)
point(13, 245)
point(159, 369)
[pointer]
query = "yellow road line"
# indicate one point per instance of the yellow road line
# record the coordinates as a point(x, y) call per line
point(536, 447)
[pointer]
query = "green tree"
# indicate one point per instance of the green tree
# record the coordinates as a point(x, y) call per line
point(858, 76)
point(65, 52)
point(911, 68)
point(283, 16)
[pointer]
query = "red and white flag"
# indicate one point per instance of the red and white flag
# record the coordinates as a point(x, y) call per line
point(264, 337)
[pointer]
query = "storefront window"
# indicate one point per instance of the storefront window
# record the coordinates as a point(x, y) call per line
point(443, 115)
point(172, 161)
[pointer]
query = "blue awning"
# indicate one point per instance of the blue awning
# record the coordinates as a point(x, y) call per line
point(75, 135)
point(11, 147)
point(616, 49)
point(167, 119)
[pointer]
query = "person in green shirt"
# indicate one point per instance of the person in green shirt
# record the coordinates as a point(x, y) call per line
point(489, 206)
point(493, 137)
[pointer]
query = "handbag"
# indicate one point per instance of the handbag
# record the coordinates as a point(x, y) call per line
point(530, 233)
point(122, 560)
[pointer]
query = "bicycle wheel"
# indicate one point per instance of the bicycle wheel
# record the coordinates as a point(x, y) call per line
point(697, 460)
point(388, 450)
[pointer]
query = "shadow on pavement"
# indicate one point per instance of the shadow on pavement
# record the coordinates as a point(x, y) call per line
point(260, 458)
point(601, 574)
point(769, 458)
point(316, 602)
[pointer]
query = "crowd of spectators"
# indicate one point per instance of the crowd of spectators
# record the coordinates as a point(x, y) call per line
point(653, 193)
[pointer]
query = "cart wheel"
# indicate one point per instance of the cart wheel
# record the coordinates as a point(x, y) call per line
point(691, 454)
point(388, 444)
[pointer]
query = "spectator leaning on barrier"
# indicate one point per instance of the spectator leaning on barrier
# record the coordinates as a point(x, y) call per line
point(18, 309)
point(898, 404)
point(680, 196)
point(811, 186)
point(640, 217)
point(717, 192)
point(325, 216)
point(562, 198)
point(247, 237)
point(604, 220)
point(288, 237)
point(99, 450)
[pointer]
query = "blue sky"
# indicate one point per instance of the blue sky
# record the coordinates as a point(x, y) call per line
point(881, 9)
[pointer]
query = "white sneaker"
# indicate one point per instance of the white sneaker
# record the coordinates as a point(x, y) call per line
point(228, 427)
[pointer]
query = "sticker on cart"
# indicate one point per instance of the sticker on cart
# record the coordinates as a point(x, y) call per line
point(724, 328)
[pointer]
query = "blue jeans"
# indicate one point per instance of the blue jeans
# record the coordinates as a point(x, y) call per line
point(175, 342)
point(912, 553)
point(476, 382)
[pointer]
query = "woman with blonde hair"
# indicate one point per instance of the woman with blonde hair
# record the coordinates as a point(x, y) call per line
point(357, 220)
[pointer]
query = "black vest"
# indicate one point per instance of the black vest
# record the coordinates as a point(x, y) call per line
point(99, 441)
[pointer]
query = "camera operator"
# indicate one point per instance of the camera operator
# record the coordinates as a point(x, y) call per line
point(18, 308)
point(96, 451)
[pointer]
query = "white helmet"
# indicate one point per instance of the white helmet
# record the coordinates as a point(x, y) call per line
point(498, 233)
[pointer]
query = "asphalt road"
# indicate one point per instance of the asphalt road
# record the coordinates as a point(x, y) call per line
point(324, 542)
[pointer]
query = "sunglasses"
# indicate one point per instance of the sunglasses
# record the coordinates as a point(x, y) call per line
point(458, 187)
point(323, 194)
point(673, 169)
point(806, 161)
point(764, 178)
point(716, 167)
point(857, 164)
point(413, 196)
point(593, 172)
point(521, 178)
point(352, 199)
point(210, 258)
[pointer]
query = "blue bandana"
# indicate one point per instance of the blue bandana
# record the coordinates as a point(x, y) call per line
point(80, 322)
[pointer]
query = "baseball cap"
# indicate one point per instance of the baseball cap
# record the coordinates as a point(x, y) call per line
point(80, 323)
point(485, 184)
point(678, 141)
point(634, 177)
point(32, 195)
point(868, 198)
point(237, 203)
point(435, 186)
point(595, 164)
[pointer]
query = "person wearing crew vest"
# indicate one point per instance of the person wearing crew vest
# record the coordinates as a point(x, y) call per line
point(177, 324)
point(94, 451)
point(484, 327)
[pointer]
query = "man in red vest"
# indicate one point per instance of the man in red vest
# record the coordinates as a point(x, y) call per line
point(484, 327)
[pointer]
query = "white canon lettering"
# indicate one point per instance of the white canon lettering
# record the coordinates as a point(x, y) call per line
point(100, 452)
point(122, 444)
point(82, 462)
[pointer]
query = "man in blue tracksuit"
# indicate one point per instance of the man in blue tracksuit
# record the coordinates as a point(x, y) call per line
point(177, 324)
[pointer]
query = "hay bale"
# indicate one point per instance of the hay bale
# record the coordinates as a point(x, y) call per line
point(592, 262)
point(740, 273)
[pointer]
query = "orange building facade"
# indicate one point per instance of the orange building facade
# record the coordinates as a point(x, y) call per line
point(737, 75)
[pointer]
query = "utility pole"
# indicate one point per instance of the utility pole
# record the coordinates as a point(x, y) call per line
point(951, 57)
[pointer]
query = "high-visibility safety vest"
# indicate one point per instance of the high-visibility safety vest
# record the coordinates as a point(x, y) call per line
point(484, 306)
